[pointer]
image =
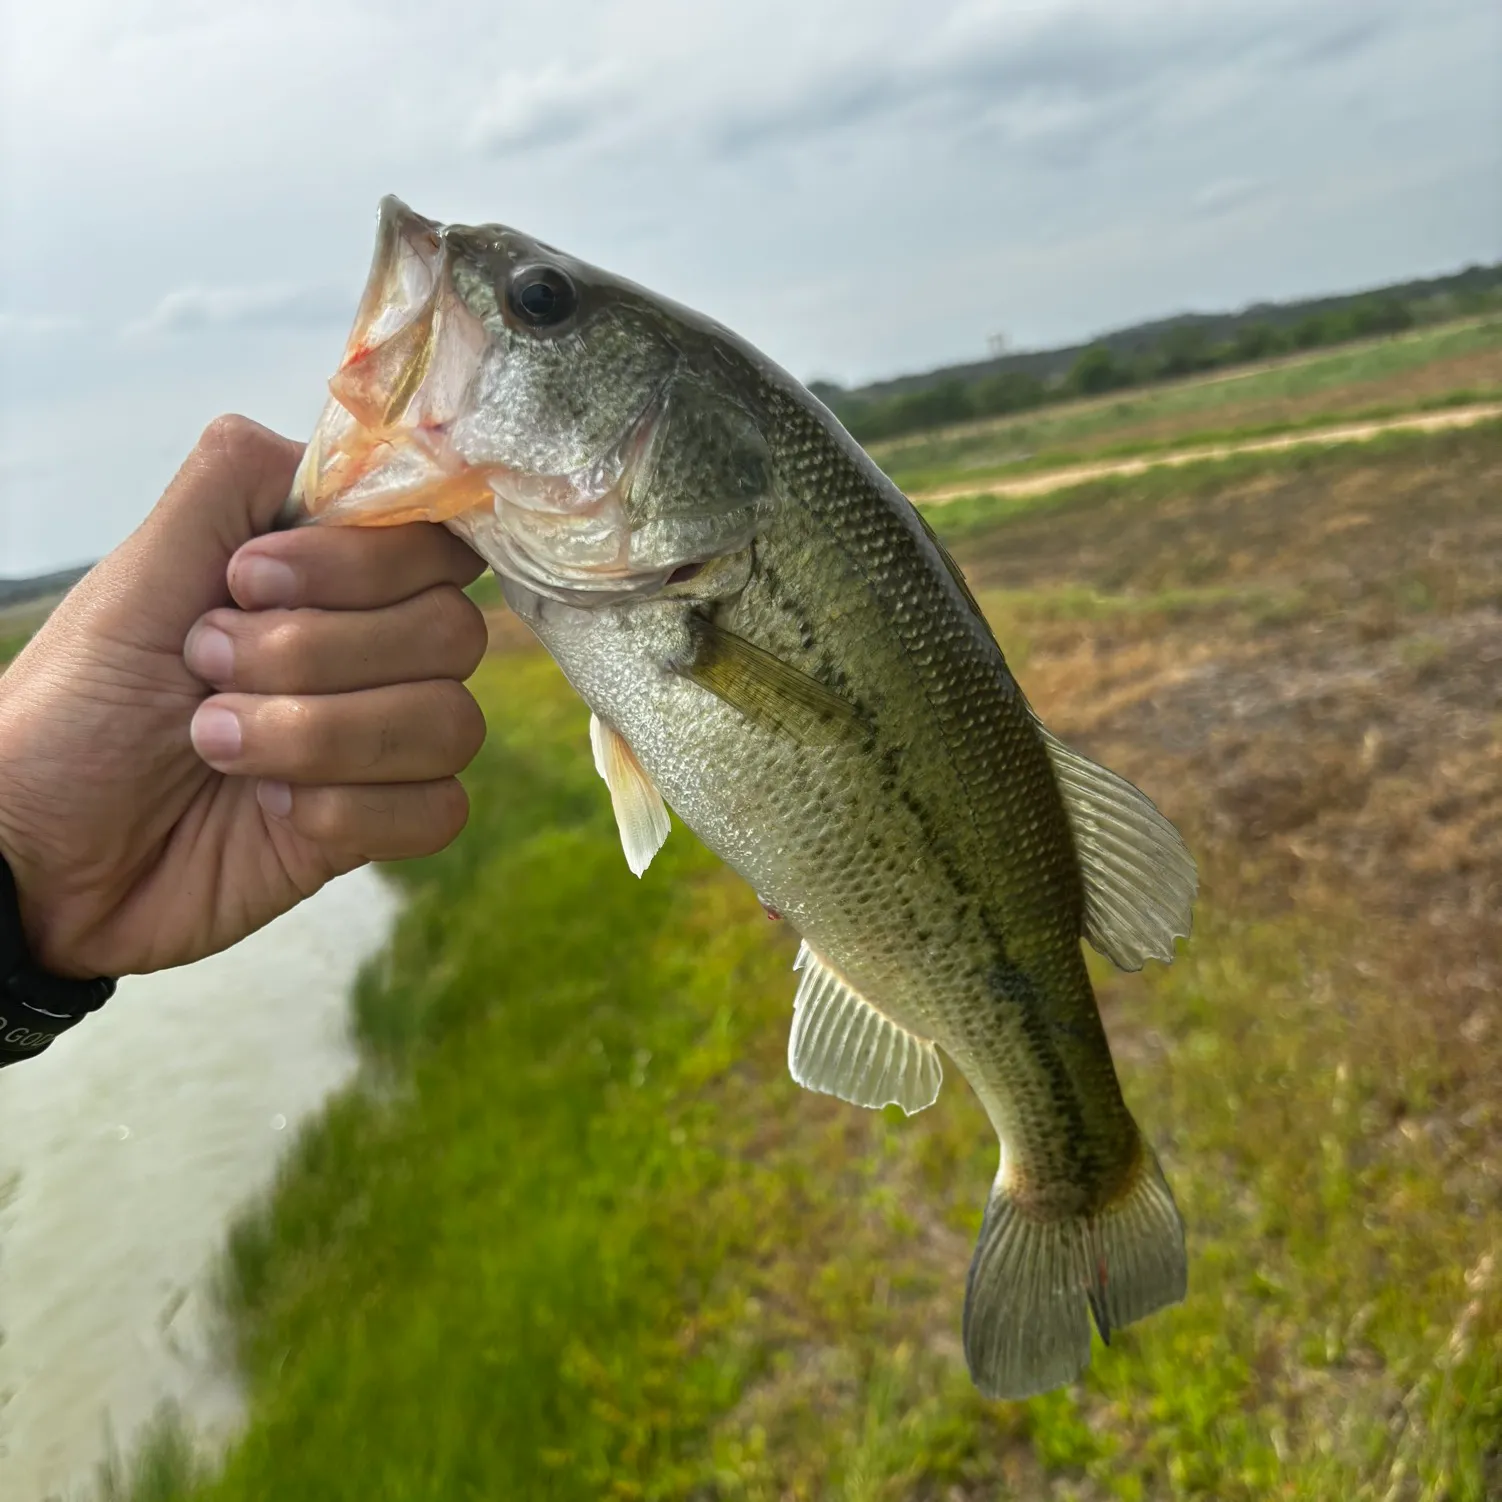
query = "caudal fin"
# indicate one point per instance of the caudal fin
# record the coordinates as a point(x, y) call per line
point(1033, 1284)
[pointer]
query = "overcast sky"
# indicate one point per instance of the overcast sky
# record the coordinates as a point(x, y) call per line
point(861, 187)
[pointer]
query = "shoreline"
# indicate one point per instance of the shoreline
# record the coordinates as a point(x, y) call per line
point(129, 1151)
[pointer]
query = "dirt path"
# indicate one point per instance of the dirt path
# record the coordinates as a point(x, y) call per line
point(1351, 432)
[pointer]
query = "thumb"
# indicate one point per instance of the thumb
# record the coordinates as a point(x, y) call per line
point(172, 568)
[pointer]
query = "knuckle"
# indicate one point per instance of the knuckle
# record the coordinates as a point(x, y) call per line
point(304, 738)
point(283, 654)
point(445, 813)
point(321, 815)
point(234, 438)
point(451, 811)
point(464, 724)
point(459, 627)
point(241, 445)
point(463, 562)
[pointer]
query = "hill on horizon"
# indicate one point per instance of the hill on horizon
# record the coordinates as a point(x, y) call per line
point(17, 591)
point(1441, 296)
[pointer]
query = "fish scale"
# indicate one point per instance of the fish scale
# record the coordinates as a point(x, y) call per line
point(774, 645)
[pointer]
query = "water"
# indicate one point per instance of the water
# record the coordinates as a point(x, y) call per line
point(127, 1148)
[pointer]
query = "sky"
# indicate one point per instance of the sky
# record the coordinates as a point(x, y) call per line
point(860, 187)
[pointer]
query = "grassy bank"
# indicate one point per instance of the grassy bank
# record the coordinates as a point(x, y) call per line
point(1429, 368)
point(584, 1238)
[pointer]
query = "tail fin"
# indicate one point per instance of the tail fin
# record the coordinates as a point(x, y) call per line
point(1034, 1283)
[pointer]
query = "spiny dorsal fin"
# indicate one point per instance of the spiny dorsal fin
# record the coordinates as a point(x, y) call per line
point(841, 1045)
point(1140, 881)
point(640, 814)
point(765, 689)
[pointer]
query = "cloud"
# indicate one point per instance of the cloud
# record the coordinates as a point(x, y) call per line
point(1047, 77)
point(37, 325)
point(1227, 195)
point(1343, 37)
point(547, 108)
point(189, 309)
point(1049, 85)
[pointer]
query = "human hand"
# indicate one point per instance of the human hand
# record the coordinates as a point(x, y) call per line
point(147, 825)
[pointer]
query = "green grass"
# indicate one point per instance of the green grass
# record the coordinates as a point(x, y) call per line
point(583, 1238)
point(967, 516)
point(485, 591)
point(164, 1466)
point(11, 644)
point(1040, 463)
point(1330, 384)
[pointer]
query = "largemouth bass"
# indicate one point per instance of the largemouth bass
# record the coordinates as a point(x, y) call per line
point(774, 644)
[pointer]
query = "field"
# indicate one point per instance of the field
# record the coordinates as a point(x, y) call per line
point(584, 1238)
point(1446, 366)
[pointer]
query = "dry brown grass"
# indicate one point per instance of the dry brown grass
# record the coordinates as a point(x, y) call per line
point(1327, 721)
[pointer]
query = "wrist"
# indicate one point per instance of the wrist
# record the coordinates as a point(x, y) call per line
point(26, 874)
point(35, 1006)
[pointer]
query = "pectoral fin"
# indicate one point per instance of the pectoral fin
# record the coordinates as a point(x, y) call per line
point(1140, 881)
point(640, 814)
point(841, 1045)
point(766, 690)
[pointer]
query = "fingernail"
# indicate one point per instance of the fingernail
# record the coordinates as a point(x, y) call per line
point(261, 582)
point(216, 733)
point(210, 654)
point(274, 797)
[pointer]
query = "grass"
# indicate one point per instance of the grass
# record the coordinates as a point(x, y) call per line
point(164, 1465)
point(1426, 370)
point(581, 1237)
point(963, 517)
point(11, 644)
point(1210, 438)
point(578, 1235)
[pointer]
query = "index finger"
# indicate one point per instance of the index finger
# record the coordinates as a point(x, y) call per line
point(170, 570)
point(348, 568)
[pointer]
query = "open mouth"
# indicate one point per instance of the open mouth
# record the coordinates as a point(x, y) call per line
point(380, 454)
point(390, 446)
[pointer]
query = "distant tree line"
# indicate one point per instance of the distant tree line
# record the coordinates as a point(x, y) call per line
point(1180, 349)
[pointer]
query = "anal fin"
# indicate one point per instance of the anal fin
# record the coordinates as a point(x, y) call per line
point(640, 814)
point(841, 1045)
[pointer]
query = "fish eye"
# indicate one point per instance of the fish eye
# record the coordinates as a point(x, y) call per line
point(541, 297)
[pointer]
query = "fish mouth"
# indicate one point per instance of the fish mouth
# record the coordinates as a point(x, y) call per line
point(387, 447)
point(381, 453)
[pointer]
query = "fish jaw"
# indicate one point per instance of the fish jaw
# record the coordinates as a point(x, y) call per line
point(381, 453)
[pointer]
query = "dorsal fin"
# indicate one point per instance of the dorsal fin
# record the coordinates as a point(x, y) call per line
point(640, 814)
point(1140, 881)
point(841, 1045)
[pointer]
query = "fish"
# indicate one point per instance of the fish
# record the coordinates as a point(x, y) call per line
point(773, 643)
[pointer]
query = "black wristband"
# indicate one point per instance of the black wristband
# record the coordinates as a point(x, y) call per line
point(34, 1006)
